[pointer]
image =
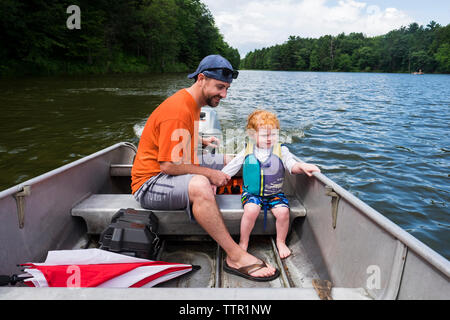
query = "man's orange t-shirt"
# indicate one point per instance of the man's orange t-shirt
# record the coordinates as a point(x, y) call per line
point(170, 132)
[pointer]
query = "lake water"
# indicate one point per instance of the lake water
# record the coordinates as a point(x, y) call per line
point(383, 137)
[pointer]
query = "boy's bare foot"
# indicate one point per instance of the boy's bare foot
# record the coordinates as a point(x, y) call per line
point(283, 250)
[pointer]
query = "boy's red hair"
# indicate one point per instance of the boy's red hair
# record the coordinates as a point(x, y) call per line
point(259, 118)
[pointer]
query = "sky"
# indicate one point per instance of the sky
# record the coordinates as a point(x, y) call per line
point(254, 24)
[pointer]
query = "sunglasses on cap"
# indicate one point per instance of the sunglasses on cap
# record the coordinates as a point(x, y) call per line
point(226, 72)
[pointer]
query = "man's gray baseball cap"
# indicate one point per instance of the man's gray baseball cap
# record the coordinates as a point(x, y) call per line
point(217, 67)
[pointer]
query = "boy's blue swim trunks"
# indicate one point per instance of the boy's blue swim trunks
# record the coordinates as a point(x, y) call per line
point(270, 202)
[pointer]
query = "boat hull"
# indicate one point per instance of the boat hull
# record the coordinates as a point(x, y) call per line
point(362, 253)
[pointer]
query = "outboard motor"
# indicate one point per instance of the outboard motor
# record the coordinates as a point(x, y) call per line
point(209, 126)
point(209, 122)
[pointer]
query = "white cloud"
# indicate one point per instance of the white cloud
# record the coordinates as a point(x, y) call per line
point(254, 24)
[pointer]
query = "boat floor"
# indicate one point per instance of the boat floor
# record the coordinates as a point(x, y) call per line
point(297, 270)
point(294, 282)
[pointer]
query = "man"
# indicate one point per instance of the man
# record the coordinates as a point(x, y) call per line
point(166, 174)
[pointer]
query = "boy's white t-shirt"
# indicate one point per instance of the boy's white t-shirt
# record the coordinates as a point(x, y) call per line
point(261, 154)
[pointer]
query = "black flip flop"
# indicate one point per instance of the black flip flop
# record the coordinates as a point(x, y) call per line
point(245, 271)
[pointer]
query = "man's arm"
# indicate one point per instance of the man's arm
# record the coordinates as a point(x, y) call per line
point(216, 177)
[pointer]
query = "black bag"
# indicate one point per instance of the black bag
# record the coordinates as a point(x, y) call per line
point(133, 233)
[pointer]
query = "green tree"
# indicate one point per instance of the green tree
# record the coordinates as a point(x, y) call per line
point(365, 58)
point(344, 62)
point(420, 60)
point(302, 57)
point(314, 62)
point(402, 50)
point(115, 36)
point(442, 56)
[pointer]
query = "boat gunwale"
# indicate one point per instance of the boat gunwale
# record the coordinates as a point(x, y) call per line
point(18, 187)
point(418, 247)
point(181, 294)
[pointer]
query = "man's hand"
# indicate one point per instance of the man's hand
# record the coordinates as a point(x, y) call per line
point(212, 142)
point(218, 178)
point(307, 168)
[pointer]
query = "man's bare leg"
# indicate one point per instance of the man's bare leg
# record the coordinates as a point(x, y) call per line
point(207, 214)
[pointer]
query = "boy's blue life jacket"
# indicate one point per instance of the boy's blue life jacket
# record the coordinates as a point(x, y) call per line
point(266, 178)
point(263, 178)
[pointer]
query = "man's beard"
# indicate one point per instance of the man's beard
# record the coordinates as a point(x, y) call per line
point(211, 103)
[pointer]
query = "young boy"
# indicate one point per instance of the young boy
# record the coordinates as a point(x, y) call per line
point(264, 161)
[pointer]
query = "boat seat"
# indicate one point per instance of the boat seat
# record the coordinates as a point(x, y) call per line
point(98, 209)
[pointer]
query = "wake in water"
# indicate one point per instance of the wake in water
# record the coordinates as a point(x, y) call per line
point(138, 128)
point(233, 140)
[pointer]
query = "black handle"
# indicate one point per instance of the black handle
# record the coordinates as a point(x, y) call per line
point(6, 280)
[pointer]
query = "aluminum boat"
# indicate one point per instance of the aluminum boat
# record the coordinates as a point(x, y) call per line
point(335, 238)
